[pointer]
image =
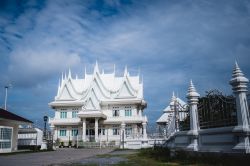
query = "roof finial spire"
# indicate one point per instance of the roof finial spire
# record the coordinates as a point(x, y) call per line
point(173, 97)
point(102, 71)
point(69, 75)
point(65, 76)
point(125, 71)
point(114, 69)
point(96, 69)
point(142, 79)
point(85, 72)
point(59, 87)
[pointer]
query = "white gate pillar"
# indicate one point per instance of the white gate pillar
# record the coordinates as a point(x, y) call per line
point(242, 131)
point(83, 129)
point(192, 97)
point(144, 126)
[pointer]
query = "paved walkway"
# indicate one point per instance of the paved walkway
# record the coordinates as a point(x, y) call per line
point(63, 156)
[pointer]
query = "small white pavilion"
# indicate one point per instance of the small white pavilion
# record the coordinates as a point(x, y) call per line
point(168, 112)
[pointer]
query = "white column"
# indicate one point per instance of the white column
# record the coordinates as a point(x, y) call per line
point(96, 129)
point(239, 85)
point(52, 127)
point(83, 129)
point(144, 126)
point(123, 128)
point(122, 135)
point(192, 97)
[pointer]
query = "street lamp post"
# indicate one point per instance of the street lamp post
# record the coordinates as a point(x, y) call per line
point(45, 119)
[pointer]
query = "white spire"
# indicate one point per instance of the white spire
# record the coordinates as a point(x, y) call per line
point(142, 79)
point(114, 69)
point(172, 99)
point(62, 80)
point(65, 76)
point(59, 87)
point(62, 77)
point(76, 77)
point(125, 71)
point(238, 81)
point(192, 91)
point(85, 72)
point(96, 69)
point(69, 75)
point(102, 71)
point(236, 71)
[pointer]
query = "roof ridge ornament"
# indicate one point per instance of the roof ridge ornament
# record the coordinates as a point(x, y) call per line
point(65, 76)
point(69, 75)
point(96, 68)
point(85, 72)
point(59, 87)
point(125, 71)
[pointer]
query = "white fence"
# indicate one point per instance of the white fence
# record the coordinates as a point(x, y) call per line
point(231, 138)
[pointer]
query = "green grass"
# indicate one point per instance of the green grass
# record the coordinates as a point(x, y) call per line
point(159, 156)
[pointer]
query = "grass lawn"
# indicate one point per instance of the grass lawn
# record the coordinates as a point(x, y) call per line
point(162, 157)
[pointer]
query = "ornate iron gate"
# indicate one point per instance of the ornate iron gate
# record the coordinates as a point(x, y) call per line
point(216, 110)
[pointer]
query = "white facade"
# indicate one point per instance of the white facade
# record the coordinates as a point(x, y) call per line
point(9, 123)
point(99, 107)
point(30, 136)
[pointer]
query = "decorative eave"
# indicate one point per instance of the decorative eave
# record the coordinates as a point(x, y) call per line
point(91, 114)
point(125, 101)
point(65, 103)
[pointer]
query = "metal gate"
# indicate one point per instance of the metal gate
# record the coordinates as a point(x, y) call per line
point(216, 110)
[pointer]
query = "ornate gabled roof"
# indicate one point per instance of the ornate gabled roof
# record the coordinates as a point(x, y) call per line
point(99, 86)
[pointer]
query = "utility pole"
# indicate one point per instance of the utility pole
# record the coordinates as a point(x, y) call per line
point(6, 95)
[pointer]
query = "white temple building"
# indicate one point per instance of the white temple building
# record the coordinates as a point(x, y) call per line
point(168, 113)
point(100, 107)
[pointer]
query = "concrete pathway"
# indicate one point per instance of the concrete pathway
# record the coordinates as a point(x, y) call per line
point(60, 156)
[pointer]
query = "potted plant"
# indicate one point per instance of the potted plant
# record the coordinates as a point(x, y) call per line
point(70, 144)
point(61, 144)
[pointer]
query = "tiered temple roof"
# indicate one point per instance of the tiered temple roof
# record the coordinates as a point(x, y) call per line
point(97, 88)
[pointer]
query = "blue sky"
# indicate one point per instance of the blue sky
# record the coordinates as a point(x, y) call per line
point(171, 41)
